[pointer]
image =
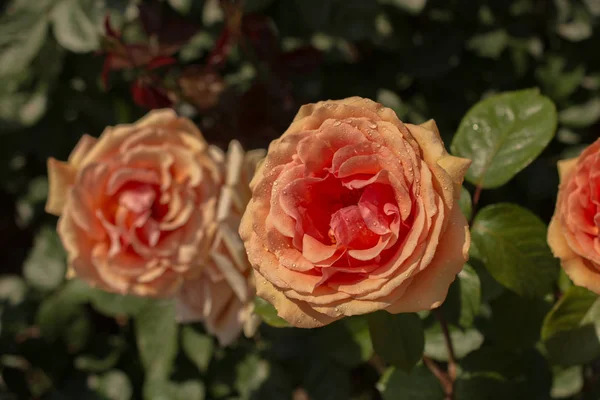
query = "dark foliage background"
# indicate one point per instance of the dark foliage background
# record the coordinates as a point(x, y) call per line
point(241, 70)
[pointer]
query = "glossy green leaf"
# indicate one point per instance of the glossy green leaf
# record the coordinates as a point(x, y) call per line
point(582, 115)
point(251, 373)
point(45, 266)
point(420, 384)
point(571, 331)
point(77, 24)
point(165, 390)
point(558, 78)
point(326, 380)
point(397, 338)
point(463, 299)
point(465, 203)
point(567, 382)
point(517, 321)
point(463, 342)
point(156, 336)
point(489, 44)
point(268, 313)
point(511, 242)
point(114, 385)
point(113, 305)
point(22, 34)
point(497, 374)
point(347, 341)
point(576, 307)
point(503, 134)
point(197, 346)
point(410, 6)
point(12, 289)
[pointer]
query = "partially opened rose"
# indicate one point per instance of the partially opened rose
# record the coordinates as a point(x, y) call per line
point(222, 297)
point(354, 211)
point(573, 234)
point(137, 206)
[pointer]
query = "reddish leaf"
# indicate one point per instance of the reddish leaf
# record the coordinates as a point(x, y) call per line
point(160, 61)
point(149, 96)
point(110, 32)
point(224, 43)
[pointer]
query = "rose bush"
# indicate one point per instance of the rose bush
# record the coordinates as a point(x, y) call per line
point(354, 211)
point(137, 206)
point(222, 296)
point(574, 228)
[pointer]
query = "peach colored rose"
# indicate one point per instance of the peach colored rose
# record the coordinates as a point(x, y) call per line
point(354, 211)
point(222, 297)
point(573, 234)
point(137, 206)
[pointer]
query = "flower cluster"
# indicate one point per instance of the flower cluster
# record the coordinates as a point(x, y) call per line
point(349, 212)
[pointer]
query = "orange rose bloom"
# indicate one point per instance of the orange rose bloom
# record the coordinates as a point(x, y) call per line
point(222, 297)
point(573, 234)
point(354, 211)
point(137, 205)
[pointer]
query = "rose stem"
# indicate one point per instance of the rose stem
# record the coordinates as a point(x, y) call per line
point(442, 376)
point(451, 356)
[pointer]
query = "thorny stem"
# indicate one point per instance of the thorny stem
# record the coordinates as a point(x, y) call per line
point(449, 377)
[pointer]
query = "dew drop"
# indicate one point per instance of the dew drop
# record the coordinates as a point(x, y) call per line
point(337, 123)
point(372, 125)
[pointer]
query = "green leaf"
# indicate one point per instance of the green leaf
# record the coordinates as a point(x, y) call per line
point(397, 338)
point(45, 266)
point(494, 374)
point(579, 26)
point(516, 321)
point(156, 336)
point(411, 6)
point(76, 24)
point(567, 382)
point(503, 134)
point(251, 373)
point(106, 355)
point(268, 313)
point(571, 331)
point(465, 203)
point(326, 380)
point(512, 244)
point(197, 346)
point(12, 289)
point(114, 385)
point(165, 390)
point(463, 342)
point(420, 384)
point(576, 307)
point(556, 81)
point(582, 115)
point(463, 299)
point(182, 6)
point(58, 310)
point(22, 34)
point(113, 305)
point(347, 341)
point(490, 44)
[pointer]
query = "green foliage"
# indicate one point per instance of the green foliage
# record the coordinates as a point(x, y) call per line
point(511, 242)
point(503, 134)
point(420, 384)
point(397, 338)
point(499, 78)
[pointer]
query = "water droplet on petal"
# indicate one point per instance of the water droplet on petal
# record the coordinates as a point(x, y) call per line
point(372, 125)
point(337, 123)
